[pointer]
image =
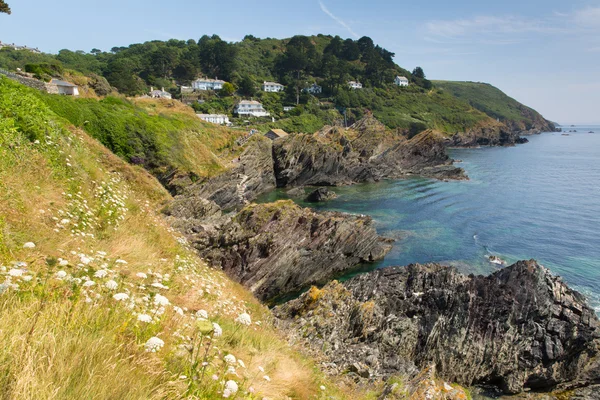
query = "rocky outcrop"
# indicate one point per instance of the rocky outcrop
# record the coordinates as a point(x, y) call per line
point(280, 248)
point(320, 195)
point(487, 134)
point(251, 176)
point(367, 151)
point(519, 328)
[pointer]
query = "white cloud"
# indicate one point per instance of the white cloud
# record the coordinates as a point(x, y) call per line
point(337, 19)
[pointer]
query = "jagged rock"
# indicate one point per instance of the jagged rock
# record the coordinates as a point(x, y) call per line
point(320, 195)
point(296, 192)
point(279, 248)
point(365, 152)
point(252, 176)
point(519, 328)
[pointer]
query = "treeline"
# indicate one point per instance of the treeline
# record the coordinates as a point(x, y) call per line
point(296, 62)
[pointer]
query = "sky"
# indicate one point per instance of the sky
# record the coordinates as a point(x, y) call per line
point(544, 53)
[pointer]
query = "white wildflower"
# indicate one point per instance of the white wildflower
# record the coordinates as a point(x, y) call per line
point(202, 314)
point(16, 272)
point(159, 285)
point(85, 260)
point(244, 319)
point(27, 278)
point(63, 263)
point(121, 296)
point(144, 318)
point(214, 377)
point(266, 378)
point(161, 300)
point(261, 369)
point(154, 344)
point(121, 262)
point(88, 283)
point(29, 245)
point(111, 285)
point(141, 275)
point(232, 387)
point(230, 359)
point(217, 330)
point(322, 387)
point(101, 273)
point(231, 370)
point(241, 363)
point(178, 310)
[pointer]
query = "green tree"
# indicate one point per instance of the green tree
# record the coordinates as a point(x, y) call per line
point(350, 50)
point(419, 73)
point(4, 8)
point(247, 87)
point(228, 90)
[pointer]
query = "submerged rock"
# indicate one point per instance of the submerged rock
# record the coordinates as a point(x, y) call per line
point(280, 248)
point(320, 195)
point(519, 328)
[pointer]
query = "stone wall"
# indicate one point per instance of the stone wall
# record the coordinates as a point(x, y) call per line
point(30, 82)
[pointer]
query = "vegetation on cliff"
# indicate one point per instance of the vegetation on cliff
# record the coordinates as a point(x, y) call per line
point(99, 298)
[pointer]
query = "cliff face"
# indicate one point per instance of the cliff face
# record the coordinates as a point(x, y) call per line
point(489, 134)
point(365, 152)
point(279, 248)
point(518, 328)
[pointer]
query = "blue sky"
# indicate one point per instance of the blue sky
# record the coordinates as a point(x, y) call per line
point(545, 53)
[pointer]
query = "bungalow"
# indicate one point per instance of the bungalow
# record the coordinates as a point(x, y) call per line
point(272, 87)
point(159, 94)
point(57, 86)
point(250, 108)
point(276, 134)
point(355, 85)
point(208, 84)
point(313, 89)
point(219, 119)
point(288, 108)
point(401, 81)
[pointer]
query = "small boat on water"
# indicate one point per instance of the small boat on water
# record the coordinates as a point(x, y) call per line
point(496, 260)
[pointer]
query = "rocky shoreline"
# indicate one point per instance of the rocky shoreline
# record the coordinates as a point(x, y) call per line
point(520, 329)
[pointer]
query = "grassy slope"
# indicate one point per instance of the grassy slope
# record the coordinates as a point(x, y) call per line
point(61, 339)
point(489, 100)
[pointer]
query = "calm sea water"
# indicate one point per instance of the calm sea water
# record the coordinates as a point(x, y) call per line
point(539, 200)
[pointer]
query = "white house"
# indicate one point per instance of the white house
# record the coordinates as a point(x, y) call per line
point(313, 89)
point(220, 119)
point(355, 85)
point(208, 84)
point(401, 81)
point(288, 108)
point(159, 94)
point(272, 87)
point(250, 108)
point(61, 87)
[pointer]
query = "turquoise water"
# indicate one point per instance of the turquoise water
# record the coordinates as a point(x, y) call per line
point(539, 200)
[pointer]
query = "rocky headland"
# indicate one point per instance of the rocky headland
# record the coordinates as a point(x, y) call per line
point(520, 329)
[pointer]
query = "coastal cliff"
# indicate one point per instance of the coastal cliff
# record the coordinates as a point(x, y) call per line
point(519, 329)
point(279, 248)
point(365, 152)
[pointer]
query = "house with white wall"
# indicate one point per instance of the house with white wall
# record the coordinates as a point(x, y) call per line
point(355, 85)
point(219, 119)
point(313, 89)
point(250, 108)
point(56, 86)
point(207, 84)
point(273, 87)
point(159, 94)
point(401, 81)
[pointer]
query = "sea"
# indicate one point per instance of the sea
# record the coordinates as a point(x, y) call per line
point(539, 200)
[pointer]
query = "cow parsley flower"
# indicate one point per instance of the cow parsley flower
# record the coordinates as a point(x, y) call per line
point(244, 319)
point(217, 330)
point(160, 300)
point(88, 283)
point(141, 275)
point(230, 388)
point(154, 344)
point(144, 318)
point(121, 262)
point(229, 359)
point(101, 273)
point(63, 263)
point(16, 272)
point(241, 363)
point(85, 260)
point(121, 296)
point(202, 314)
point(111, 285)
point(266, 378)
point(29, 245)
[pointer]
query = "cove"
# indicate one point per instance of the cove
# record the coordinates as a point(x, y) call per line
point(540, 200)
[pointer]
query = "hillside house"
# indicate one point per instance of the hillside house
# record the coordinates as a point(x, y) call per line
point(56, 86)
point(160, 94)
point(16, 47)
point(355, 85)
point(313, 89)
point(207, 84)
point(274, 134)
point(219, 119)
point(288, 108)
point(250, 108)
point(273, 87)
point(401, 81)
